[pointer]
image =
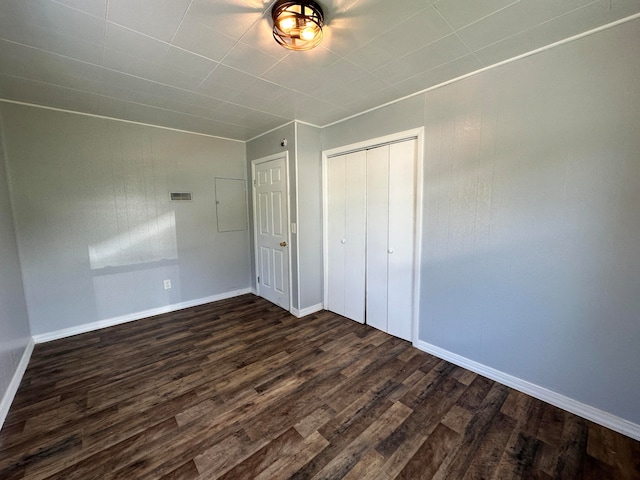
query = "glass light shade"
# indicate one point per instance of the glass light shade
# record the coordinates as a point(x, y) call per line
point(297, 25)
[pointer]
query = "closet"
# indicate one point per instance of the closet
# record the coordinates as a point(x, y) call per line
point(370, 236)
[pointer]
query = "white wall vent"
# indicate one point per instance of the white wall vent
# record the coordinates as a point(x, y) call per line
point(177, 196)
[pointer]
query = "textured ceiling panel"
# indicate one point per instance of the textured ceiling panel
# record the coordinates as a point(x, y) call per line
point(212, 66)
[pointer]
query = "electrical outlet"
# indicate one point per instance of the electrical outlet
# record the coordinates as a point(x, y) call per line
point(167, 284)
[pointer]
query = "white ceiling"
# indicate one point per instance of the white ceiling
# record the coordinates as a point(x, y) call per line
point(212, 66)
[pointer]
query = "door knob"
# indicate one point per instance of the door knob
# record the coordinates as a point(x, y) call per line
point(343, 241)
point(283, 244)
point(390, 250)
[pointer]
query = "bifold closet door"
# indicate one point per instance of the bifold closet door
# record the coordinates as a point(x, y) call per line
point(377, 236)
point(346, 192)
point(391, 210)
point(402, 223)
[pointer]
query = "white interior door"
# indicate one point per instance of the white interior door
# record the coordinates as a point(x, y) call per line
point(271, 224)
point(345, 220)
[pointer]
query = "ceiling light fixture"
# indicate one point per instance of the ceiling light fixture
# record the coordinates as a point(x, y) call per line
point(297, 25)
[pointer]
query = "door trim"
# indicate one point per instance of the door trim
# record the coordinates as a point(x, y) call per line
point(418, 134)
point(276, 156)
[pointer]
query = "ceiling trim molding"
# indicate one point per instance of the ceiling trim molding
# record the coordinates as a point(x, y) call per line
point(104, 117)
point(270, 131)
point(495, 65)
point(302, 122)
point(294, 121)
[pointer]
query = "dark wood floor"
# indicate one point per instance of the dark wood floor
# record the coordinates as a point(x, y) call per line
point(240, 389)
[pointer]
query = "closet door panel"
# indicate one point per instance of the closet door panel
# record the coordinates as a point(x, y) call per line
point(355, 235)
point(402, 212)
point(377, 236)
point(336, 221)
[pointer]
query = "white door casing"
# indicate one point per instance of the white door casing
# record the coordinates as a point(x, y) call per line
point(271, 229)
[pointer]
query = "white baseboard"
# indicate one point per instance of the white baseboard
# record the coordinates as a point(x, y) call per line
point(12, 389)
point(307, 311)
point(596, 415)
point(109, 322)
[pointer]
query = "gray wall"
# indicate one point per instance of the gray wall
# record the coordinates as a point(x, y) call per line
point(531, 250)
point(397, 117)
point(309, 167)
point(14, 322)
point(532, 226)
point(97, 232)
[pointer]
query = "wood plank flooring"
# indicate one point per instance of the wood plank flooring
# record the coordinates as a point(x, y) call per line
point(240, 389)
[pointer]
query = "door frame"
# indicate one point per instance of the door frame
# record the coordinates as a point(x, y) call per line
point(415, 133)
point(276, 156)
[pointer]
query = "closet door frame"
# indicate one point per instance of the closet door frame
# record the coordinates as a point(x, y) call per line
point(418, 134)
